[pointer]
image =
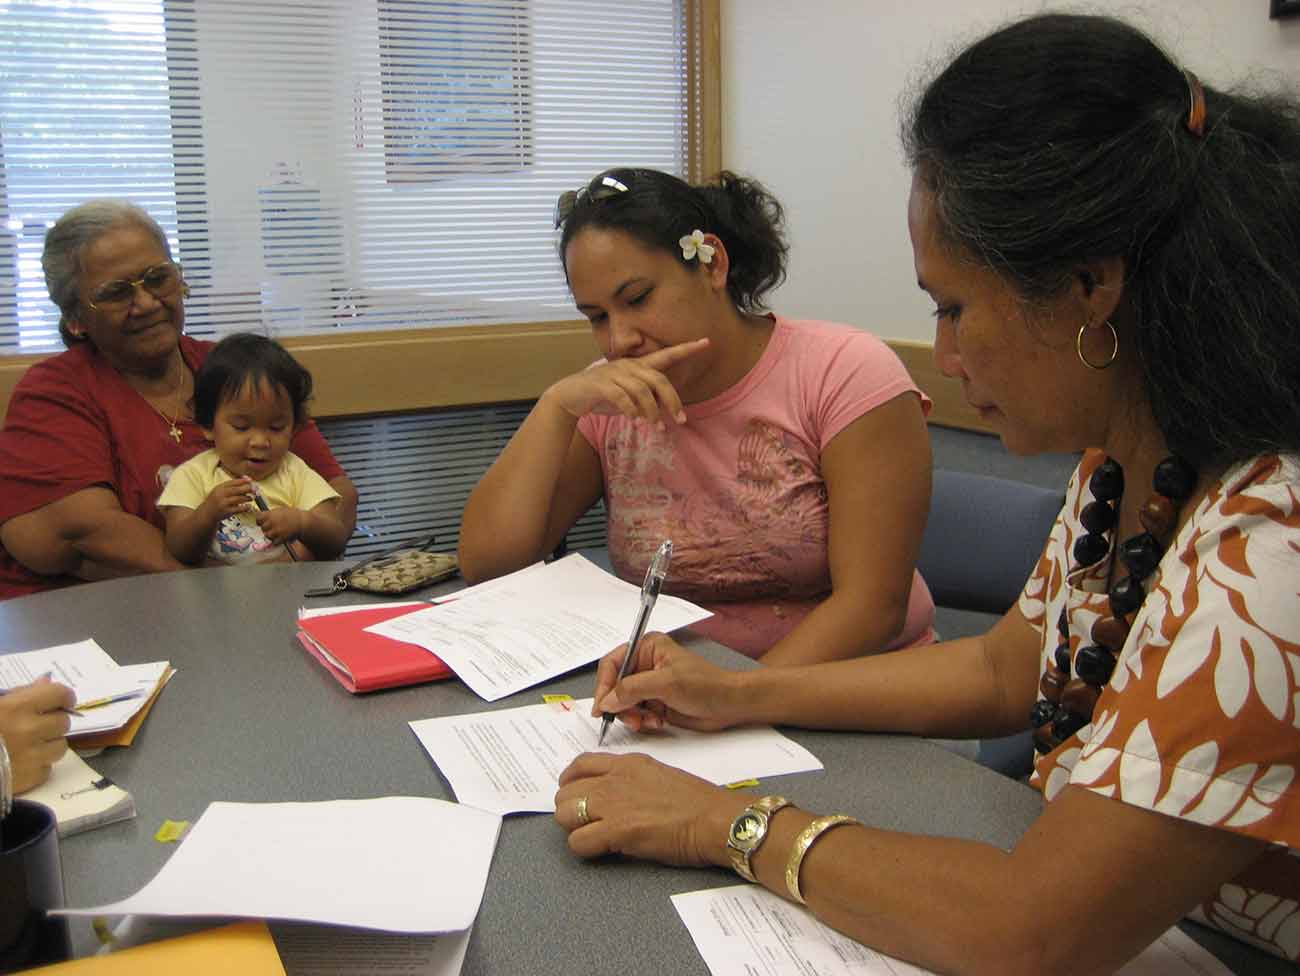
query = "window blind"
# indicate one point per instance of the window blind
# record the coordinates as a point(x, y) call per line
point(325, 165)
point(414, 473)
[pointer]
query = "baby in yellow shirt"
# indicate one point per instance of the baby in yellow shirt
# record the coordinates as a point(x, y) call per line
point(248, 499)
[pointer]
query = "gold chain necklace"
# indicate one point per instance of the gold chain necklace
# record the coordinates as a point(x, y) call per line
point(173, 431)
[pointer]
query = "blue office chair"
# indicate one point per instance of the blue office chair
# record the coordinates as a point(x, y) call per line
point(982, 539)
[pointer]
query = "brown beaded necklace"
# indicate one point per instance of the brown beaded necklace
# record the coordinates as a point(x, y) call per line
point(1067, 703)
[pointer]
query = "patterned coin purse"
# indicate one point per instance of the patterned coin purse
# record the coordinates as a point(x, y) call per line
point(401, 570)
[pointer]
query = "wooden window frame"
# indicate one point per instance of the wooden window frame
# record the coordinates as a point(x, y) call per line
point(373, 372)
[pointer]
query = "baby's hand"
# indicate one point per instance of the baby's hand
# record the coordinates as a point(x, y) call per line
point(230, 497)
point(282, 524)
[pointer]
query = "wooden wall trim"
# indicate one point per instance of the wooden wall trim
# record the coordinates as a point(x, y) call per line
point(360, 373)
point(704, 25)
point(950, 408)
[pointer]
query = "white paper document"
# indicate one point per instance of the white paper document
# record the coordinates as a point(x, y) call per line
point(477, 588)
point(534, 625)
point(745, 930)
point(510, 761)
point(92, 674)
point(396, 864)
point(306, 613)
point(319, 950)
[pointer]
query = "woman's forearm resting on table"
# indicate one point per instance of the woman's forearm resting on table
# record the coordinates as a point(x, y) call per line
point(1091, 883)
point(88, 525)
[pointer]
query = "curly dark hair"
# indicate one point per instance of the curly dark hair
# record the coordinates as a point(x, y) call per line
point(659, 208)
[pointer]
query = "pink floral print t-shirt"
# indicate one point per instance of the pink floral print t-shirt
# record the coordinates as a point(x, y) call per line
point(739, 490)
point(1201, 717)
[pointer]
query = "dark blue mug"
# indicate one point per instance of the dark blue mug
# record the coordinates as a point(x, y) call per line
point(31, 881)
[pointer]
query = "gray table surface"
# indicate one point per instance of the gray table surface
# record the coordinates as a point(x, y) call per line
point(250, 716)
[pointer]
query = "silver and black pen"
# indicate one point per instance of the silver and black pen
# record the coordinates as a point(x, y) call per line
point(654, 581)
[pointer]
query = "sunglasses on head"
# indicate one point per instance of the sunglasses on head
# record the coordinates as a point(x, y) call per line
point(602, 187)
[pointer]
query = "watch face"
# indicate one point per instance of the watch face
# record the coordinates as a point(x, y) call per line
point(747, 830)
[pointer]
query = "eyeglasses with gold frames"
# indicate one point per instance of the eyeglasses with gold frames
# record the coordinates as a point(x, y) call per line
point(602, 187)
point(162, 281)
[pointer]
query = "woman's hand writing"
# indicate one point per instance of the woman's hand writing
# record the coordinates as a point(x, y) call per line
point(641, 808)
point(632, 387)
point(34, 728)
point(666, 683)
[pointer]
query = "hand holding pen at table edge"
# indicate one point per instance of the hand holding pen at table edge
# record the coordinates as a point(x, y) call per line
point(665, 684)
point(34, 724)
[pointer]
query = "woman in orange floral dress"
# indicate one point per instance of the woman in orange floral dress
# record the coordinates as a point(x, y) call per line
point(1114, 252)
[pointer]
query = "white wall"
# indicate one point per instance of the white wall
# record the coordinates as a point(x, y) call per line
point(810, 100)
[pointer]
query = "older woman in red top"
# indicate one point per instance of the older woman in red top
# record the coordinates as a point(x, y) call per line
point(92, 434)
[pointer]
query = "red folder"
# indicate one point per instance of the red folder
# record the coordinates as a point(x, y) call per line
point(367, 662)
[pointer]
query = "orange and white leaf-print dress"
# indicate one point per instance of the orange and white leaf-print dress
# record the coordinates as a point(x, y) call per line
point(1201, 718)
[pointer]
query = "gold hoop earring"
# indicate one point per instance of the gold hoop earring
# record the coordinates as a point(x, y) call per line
point(1114, 347)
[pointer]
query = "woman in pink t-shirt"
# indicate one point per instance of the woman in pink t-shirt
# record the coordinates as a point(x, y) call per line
point(788, 461)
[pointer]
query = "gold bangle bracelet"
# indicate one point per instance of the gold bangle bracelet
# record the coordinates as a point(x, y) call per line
point(807, 837)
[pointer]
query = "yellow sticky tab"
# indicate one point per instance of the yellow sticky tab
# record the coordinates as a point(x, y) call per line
point(103, 931)
point(171, 831)
point(563, 703)
point(742, 784)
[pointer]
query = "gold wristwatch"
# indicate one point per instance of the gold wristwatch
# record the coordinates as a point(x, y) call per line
point(749, 830)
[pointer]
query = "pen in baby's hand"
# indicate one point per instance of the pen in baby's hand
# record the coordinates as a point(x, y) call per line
point(261, 504)
point(654, 581)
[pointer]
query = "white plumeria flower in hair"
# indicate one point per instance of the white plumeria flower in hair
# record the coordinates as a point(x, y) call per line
point(693, 244)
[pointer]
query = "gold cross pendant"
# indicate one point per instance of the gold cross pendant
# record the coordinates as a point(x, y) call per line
point(174, 433)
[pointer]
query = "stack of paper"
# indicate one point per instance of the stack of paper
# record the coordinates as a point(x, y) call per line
point(108, 695)
point(393, 864)
point(362, 661)
point(533, 625)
